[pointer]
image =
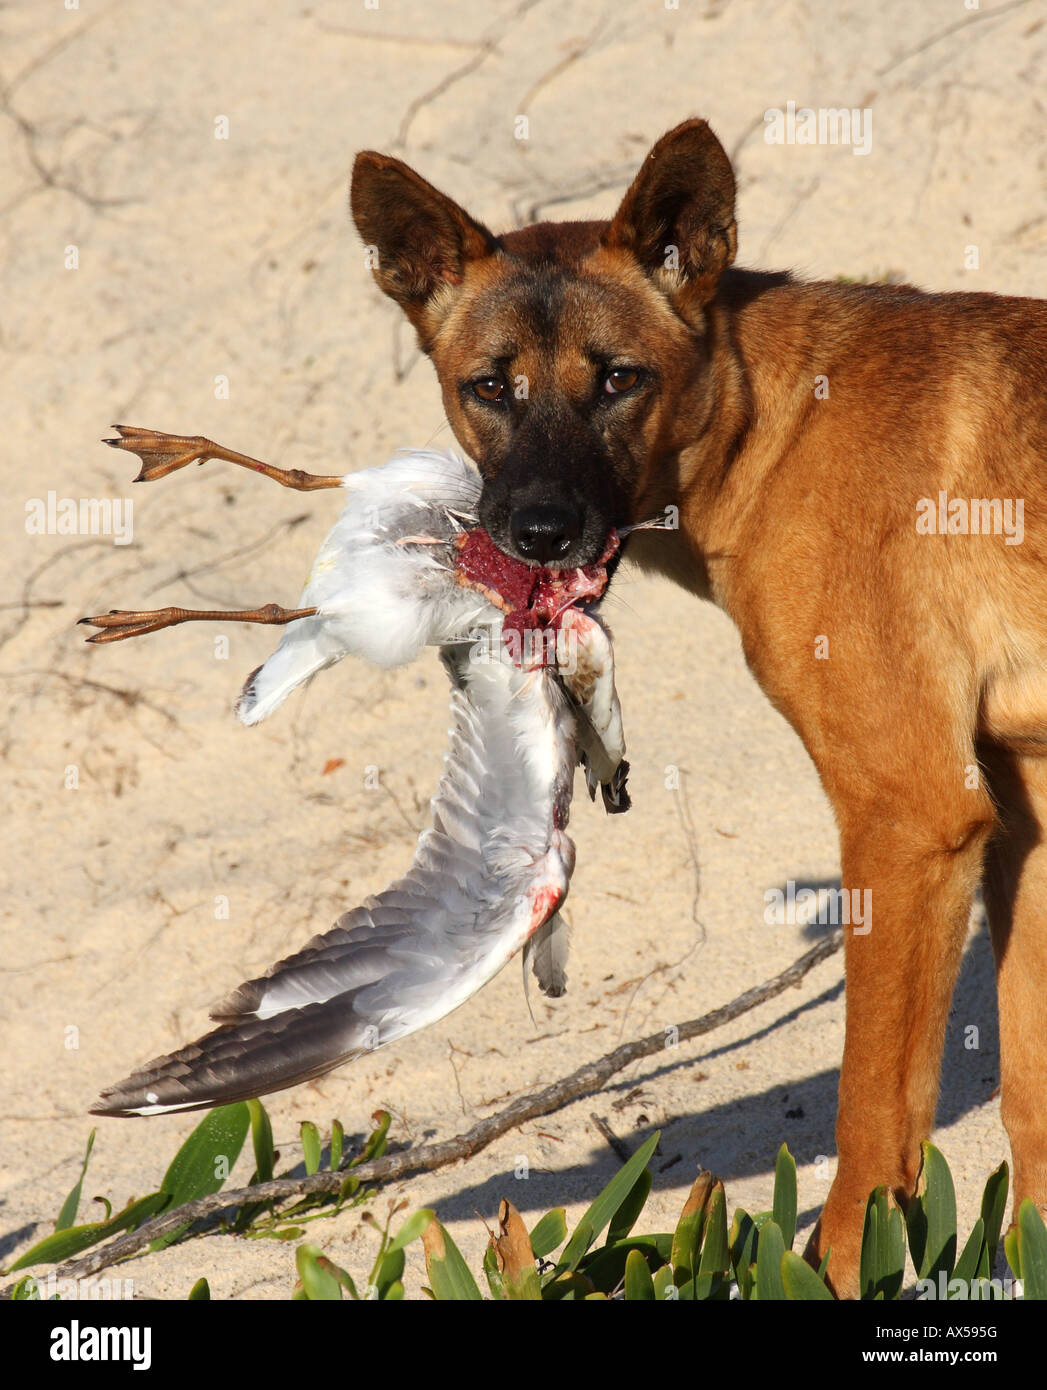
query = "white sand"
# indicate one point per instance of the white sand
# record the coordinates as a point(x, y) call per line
point(201, 258)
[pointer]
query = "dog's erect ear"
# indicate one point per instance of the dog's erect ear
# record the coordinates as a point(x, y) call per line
point(422, 239)
point(677, 218)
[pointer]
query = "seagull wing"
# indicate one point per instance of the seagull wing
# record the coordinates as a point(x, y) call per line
point(493, 868)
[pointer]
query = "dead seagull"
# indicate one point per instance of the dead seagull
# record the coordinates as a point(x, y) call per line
point(533, 694)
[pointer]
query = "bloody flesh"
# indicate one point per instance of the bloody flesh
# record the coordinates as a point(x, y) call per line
point(531, 596)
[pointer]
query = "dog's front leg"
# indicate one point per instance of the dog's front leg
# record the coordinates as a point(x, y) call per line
point(911, 859)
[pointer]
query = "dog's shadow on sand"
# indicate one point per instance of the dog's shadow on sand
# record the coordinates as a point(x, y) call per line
point(739, 1138)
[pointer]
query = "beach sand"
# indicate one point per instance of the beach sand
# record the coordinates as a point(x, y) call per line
point(156, 275)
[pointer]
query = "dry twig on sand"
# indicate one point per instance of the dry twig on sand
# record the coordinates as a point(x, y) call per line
point(588, 1078)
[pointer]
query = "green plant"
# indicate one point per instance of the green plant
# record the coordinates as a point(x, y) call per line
point(704, 1260)
point(199, 1169)
point(701, 1259)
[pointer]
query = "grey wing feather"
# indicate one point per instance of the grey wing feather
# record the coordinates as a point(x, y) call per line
point(239, 1061)
point(484, 878)
point(547, 956)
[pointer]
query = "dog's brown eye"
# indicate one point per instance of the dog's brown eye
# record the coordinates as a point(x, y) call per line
point(621, 379)
point(489, 388)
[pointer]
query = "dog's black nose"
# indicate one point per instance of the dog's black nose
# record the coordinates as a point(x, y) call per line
point(546, 532)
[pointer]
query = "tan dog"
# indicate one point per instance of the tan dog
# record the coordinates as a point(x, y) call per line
point(599, 372)
point(858, 475)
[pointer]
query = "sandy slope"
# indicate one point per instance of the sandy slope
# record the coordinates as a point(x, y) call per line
point(200, 258)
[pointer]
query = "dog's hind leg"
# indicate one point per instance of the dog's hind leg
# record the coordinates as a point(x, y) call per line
point(1016, 901)
point(913, 833)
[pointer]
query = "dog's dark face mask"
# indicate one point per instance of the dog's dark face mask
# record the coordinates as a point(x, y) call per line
point(550, 412)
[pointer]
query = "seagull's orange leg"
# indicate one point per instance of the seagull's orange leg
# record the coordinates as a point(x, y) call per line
point(119, 623)
point(164, 453)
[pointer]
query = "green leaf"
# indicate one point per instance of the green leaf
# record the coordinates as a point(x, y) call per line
point(800, 1282)
point(26, 1291)
point(204, 1161)
point(262, 1140)
point(604, 1267)
point(771, 1248)
point(277, 1233)
point(785, 1195)
point(687, 1238)
point(413, 1227)
point(550, 1232)
point(870, 1251)
point(524, 1287)
point(1032, 1239)
point(994, 1204)
point(200, 1292)
point(665, 1287)
point(376, 1140)
point(317, 1275)
point(390, 1272)
point(264, 1163)
point(337, 1144)
point(931, 1217)
point(213, 1146)
point(63, 1245)
point(969, 1261)
point(311, 1146)
point(349, 1188)
point(893, 1257)
point(577, 1247)
point(71, 1205)
point(639, 1286)
point(569, 1286)
point(495, 1282)
point(606, 1204)
point(716, 1255)
point(743, 1251)
point(709, 1287)
point(1011, 1245)
point(627, 1215)
point(449, 1275)
point(882, 1266)
point(343, 1277)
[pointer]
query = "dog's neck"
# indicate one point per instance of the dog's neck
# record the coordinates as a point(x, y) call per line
point(770, 340)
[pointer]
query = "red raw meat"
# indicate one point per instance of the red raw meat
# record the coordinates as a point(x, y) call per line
point(532, 596)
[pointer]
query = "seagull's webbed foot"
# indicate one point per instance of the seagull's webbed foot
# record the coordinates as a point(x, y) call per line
point(119, 623)
point(165, 453)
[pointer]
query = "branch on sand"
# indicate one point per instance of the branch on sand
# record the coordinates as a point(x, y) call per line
point(426, 1157)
